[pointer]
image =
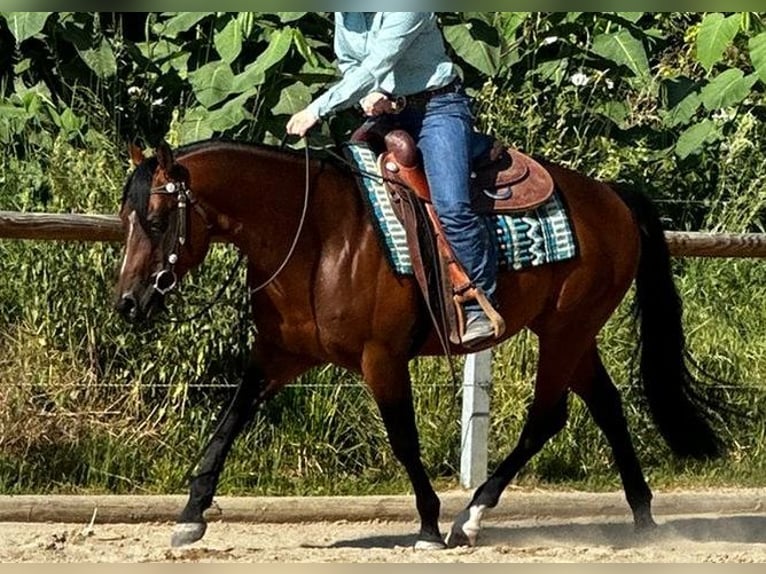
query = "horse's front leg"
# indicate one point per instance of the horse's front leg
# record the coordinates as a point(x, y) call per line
point(235, 416)
point(389, 381)
point(254, 389)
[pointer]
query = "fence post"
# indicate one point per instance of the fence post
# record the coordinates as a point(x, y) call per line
point(477, 382)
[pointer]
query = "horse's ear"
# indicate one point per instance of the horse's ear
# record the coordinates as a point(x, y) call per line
point(136, 154)
point(164, 156)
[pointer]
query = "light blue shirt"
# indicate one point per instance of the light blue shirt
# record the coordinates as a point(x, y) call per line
point(398, 53)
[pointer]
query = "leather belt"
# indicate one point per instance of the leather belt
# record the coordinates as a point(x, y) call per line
point(420, 99)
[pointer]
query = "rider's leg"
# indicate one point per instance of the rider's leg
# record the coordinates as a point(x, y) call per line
point(446, 143)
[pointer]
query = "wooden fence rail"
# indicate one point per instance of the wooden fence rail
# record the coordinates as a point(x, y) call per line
point(81, 227)
point(60, 226)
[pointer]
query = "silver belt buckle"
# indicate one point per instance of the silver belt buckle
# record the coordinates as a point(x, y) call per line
point(398, 104)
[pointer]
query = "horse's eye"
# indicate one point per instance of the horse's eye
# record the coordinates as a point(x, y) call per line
point(158, 225)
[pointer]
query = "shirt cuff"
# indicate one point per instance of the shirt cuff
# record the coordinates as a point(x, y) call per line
point(317, 109)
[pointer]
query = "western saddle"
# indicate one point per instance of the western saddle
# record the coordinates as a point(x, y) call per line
point(503, 180)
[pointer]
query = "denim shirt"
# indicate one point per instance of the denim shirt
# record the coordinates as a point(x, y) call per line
point(397, 53)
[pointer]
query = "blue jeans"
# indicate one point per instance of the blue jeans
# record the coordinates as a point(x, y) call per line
point(445, 137)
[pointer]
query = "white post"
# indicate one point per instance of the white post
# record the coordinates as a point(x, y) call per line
point(477, 381)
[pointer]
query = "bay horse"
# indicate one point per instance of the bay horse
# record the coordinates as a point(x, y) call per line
point(323, 292)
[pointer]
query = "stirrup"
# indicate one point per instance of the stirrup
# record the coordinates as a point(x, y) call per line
point(471, 293)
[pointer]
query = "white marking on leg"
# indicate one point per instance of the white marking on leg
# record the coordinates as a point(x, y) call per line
point(132, 220)
point(472, 526)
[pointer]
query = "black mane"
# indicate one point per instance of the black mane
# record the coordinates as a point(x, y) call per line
point(277, 151)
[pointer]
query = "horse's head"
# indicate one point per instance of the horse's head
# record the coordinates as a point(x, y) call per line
point(166, 233)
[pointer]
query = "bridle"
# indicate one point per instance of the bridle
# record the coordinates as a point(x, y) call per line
point(166, 280)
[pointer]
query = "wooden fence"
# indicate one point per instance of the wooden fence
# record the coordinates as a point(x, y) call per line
point(477, 376)
point(81, 227)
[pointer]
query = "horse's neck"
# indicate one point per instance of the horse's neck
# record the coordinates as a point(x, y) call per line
point(242, 185)
point(265, 200)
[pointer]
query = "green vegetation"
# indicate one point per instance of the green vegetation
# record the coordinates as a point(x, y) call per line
point(671, 100)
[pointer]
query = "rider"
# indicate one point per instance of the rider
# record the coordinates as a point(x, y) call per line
point(383, 55)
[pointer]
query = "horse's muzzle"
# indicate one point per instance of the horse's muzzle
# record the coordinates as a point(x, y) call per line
point(136, 307)
point(127, 307)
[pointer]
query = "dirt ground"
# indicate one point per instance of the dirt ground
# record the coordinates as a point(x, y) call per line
point(732, 538)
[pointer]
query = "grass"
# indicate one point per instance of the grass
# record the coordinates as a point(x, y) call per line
point(64, 433)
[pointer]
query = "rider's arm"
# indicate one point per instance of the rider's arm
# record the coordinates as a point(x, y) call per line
point(397, 32)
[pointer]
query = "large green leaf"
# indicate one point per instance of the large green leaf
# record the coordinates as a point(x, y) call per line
point(212, 83)
point(477, 43)
point(181, 22)
point(279, 46)
point(285, 17)
point(246, 23)
point(304, 49)
point(250, 77)
point(509, 22)
point(630, 16)
point(24, 25)
point(684, 111)
point(194, 126)
point(623, 49)
point(70, 123)
point(553, 71)
point(231, 114)
point(166, 55)
point(292, 99)
point(757, 45)
point(100, 59)
point(727, 89)
point(228, 42)
point(10, 111)
point(691, 140)
point(481, 16)
point(617, 111)
point(715, 34)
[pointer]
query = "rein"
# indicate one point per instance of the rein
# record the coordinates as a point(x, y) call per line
point(297, 232)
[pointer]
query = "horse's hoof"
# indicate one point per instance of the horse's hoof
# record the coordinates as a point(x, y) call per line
point(457, 538)
point(644, 524)
point(465, 530)
point(430, 545)
point(187, 533)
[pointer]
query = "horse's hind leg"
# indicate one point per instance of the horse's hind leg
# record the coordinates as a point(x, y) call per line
point(595, 386)
point(389, 381)
point(546, 417)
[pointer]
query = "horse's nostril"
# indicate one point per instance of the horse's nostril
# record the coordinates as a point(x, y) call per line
point(126, 305)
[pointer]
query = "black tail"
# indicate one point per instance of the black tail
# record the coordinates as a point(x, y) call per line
point(677, 401)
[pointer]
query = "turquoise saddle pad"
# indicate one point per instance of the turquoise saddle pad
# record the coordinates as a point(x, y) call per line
point(525, 239)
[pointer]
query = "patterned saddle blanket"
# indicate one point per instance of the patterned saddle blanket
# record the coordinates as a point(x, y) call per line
point(523, 239)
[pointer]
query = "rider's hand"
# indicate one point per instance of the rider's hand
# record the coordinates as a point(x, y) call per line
point(301, 122)
point(376, 103)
